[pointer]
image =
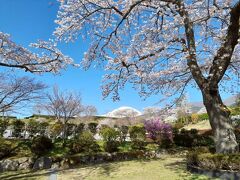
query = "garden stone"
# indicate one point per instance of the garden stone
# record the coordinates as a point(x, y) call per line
point(65, 164)
point(24, 166)
point(55, 166)
point(109, 157)
point(23, 160)
point(42, 163)
point(9, 165)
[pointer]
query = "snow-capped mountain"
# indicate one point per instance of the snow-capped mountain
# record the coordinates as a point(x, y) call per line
point(124, 111)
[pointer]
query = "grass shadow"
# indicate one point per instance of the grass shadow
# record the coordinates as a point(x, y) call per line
point(181, 166)
point(26, 174)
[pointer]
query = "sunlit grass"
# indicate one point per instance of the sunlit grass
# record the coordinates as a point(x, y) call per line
point(169, 167)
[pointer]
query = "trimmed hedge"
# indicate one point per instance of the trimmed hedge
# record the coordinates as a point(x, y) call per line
point(191, 138)
point(210, 161)
point(84, 143)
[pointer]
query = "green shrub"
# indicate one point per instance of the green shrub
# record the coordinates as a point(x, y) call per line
point(193, 131)
point(203, 116)
point(152, 147)
point(166, 143)
point(237, 134)
point(111, 146)
point(4, 123)
point(33, 127)
point(18, 127)
point(207, 160)
point(235, 111)
point(79, 129)
point(41, 145)
point(178, 125)
point(138, 136)
point(123, 133)
point(137, 133)
point(43, 128)
point(56, 129)
point(93, 127)
point(70, 129)
point(110, 136)
point(5, 148)
point(192, 139)
point(85, 142)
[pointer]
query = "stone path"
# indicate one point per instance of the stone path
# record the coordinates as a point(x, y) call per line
point(53, 175)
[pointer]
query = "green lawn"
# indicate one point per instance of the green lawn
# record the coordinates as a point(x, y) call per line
point(169, 167)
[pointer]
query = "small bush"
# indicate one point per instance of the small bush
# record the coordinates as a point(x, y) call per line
point(32, 127)
point(237, 134)
point(110, 136)
point(111, 146)
point(194, 118)
point(70, 128)
point(203, 117)
point(235, 111)
point(41, 145)
point(123, 133)
point(85, 142)
point(152, 147)
point(18, 127)
point(79, 129)
point(193, 131)
point(192, 139)
point(5, 148)
point(43, 126)
point(56, 129)
point(4, 123)
point(138, 137)
point(178, 125)
point(93, 127)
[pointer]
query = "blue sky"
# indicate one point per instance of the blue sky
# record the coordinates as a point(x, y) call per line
point(29, 20)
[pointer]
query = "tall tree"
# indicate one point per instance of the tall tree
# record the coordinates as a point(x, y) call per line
point(161, 46)
point(17, 92)
point(90, 110)
point(64, 106)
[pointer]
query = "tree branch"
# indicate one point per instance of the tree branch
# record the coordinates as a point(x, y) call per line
point(223, 58)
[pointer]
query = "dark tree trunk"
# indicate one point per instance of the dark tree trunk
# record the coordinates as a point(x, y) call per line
point(219, 117)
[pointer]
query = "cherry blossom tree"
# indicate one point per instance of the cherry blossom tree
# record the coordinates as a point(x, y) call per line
point(161, 46)
point(16, 56)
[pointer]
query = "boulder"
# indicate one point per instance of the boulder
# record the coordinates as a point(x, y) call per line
point(23, 160)
point(24, 166)
point(55, 165)
point(42, 163)
point(9, 165)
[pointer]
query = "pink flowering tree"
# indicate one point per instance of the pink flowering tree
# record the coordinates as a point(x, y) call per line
point(158, 130)
point(161, 46)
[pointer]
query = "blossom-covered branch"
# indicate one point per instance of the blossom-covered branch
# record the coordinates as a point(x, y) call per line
point(16, 56)
point(148, 43)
